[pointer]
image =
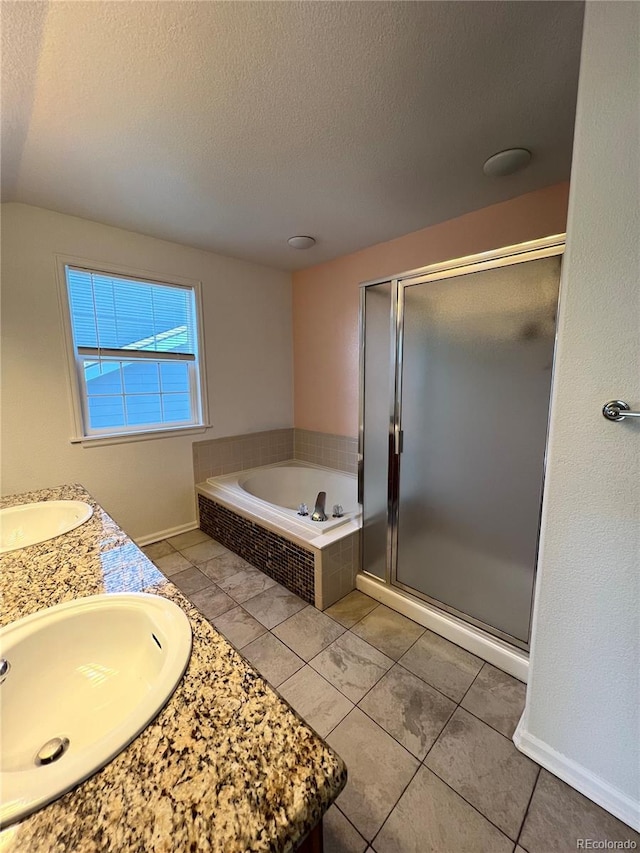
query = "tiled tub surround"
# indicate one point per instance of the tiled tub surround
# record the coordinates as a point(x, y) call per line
point(284, 561)
point(330, 451)
point(238, 452)
point(219, 456)
point(320, 566)
point(226, 766)
point(424, 726)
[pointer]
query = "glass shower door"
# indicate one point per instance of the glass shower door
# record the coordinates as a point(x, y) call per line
point(474, 380)
point(378, 372)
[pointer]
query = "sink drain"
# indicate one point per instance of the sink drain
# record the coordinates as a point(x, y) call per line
point(51, 751)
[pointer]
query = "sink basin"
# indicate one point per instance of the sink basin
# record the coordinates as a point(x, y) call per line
point(84, 678)
point(32, 523)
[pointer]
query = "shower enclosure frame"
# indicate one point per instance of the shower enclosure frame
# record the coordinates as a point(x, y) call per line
point(486, 635)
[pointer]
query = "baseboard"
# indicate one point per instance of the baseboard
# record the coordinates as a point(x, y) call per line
point(574, 774)
point(165, 534)
point(500, 654)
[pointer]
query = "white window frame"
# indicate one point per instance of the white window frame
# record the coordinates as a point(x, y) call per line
point(82, 434)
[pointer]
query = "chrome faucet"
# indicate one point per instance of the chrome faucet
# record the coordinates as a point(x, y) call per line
point(318, 513)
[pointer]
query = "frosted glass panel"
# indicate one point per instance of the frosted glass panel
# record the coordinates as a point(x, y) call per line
point(477, 362)
point(377, 390)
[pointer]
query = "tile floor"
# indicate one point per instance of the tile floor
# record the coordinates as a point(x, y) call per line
point(424, 726)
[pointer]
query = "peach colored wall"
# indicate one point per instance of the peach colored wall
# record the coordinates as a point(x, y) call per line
point(325, 297)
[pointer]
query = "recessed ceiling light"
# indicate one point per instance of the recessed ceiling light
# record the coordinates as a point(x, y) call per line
point(301, 242)
point(507, 162)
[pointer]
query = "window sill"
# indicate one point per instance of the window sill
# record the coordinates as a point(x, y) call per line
point(122, 437)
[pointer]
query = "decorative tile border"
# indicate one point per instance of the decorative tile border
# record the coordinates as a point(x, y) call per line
point(284, 561)
point(219, 456)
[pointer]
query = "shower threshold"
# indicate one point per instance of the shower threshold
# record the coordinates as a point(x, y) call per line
point(478, 642)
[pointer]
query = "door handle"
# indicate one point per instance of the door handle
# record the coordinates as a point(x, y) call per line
point(618, 410)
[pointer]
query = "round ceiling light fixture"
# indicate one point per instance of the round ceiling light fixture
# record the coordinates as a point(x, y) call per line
point(301, 242)
point(507, 162)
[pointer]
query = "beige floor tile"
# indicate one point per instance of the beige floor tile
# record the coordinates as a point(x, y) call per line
point(379, 769)
point(431, 818)
point(497, 698)
point(410, 710)
point(172, 563)
point(274, 605)
point(388, 631)
point(486, 769)
point(212, 601)
point(203, 551)
point(339, 834)
point(190, 580)
point(246, 584)
point(224, 567)
point(352, 608)
point(317, 701)
point(559, 815)
point(158, 549)
point(273, 660)
point(308, 632)
point(351, 665)
point(185, 540)
point(442, 664)
point(238, 626)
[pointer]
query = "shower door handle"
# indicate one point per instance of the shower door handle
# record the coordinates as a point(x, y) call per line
point(399, 442)
point(618, 410)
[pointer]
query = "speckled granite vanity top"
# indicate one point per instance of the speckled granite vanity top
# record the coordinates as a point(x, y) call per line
point(226, 766)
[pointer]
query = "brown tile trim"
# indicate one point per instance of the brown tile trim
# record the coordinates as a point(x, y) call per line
point(218, 456)
point(285, 562)
point(338, 568)
point(238, 452)
point(322, 448)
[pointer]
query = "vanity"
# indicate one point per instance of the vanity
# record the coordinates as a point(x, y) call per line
point(225, 766)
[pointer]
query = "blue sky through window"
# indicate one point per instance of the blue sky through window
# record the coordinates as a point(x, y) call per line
point(116, 314)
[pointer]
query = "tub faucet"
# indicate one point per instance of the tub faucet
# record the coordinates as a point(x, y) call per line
point(318, 513)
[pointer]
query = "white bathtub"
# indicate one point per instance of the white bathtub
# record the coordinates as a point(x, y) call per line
point(268, 499)
point(288, 486)
point(282, 487)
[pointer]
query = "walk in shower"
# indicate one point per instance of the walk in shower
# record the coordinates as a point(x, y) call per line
point(456, 367)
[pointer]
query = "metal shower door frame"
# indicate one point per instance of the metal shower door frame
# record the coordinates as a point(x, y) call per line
point(392, 485)
point(507, 256)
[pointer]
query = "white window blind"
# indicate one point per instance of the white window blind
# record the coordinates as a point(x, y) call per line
point(136, 351)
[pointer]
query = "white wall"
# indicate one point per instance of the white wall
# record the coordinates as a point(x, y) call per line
point(146, 485)
point(582, 718)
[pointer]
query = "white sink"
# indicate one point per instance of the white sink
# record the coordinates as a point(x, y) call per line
point(32, 523)
point(84, 678)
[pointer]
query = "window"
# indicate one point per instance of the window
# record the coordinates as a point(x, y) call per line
point(135, 353)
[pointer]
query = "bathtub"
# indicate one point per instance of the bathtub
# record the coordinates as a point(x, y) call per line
point(255, 514)
point(287, 486)
point(282, 487)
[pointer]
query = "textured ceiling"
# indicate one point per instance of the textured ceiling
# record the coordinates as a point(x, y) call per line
point(232, 125)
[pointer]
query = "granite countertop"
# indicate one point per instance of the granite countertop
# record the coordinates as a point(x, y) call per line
point(226, 766)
